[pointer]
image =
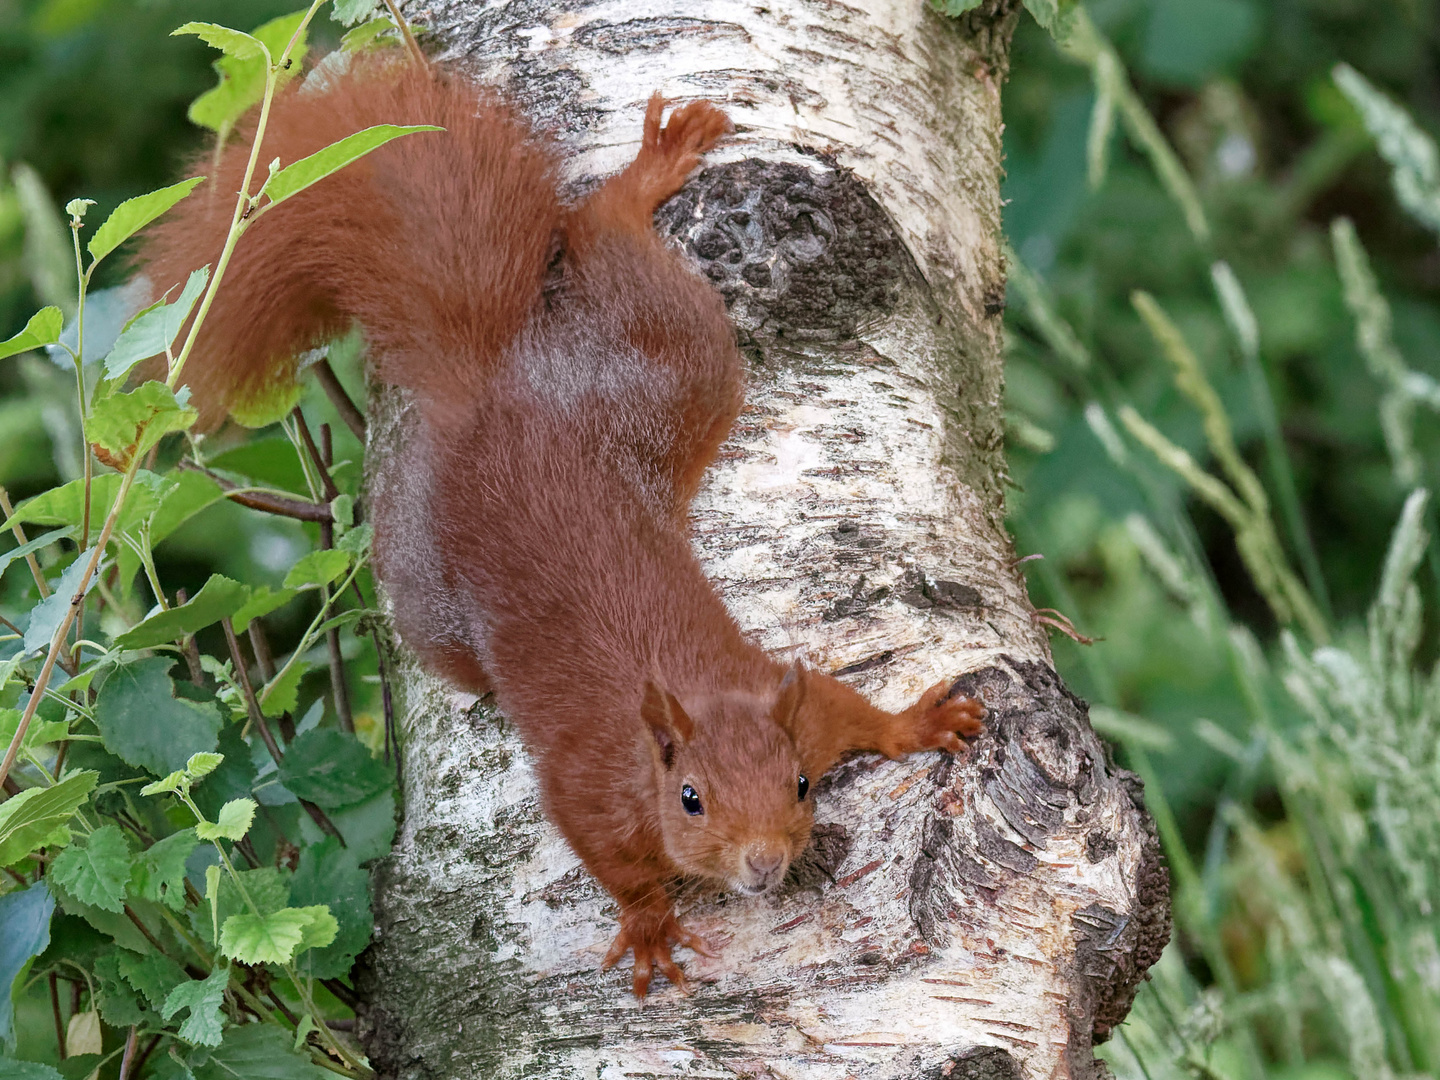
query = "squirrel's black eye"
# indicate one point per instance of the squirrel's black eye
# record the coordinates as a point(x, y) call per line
point(691, 801)
point(804, 786)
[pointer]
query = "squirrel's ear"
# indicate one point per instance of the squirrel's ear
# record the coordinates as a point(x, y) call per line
point(789, 696)
point(667, 721)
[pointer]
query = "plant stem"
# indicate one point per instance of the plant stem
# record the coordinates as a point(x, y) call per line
point(57, 642)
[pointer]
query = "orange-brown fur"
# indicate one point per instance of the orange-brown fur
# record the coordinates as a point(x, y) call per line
point(574, 380)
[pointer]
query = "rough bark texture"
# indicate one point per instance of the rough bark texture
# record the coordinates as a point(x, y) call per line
point(988, 916)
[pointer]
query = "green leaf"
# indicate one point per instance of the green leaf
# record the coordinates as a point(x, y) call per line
point(259, 1052)
point(282, 694)
point(367, 35)
point(242, 80)
point(65, 505)
point(212, 894)
point(154, 330)
point(349, 12)
point(218, 599)
point(296, 177)
point(342, 509)
point(134, 214)
point(332, 769)
point(155, 975)
point(271, 403)
point(231, 42)
point(357, 541)
point(175, 781)
point(158, 872)
point(24, 933)
point(43, 329)
point(48, 614)
point(39, 733)
point(202, 765)
point(144, 724)
point(95, 869)
point(368, 827)
point(37, 817)
point(203, 997)
point(188, 494)
point(954, 8)
point(262, 602)
point(276, 937)
point(322, 567)
point(330, 874)
point(30, 547)
point(33, 1070)
point(129, 424)
point(120, 1005)
point(233, 823)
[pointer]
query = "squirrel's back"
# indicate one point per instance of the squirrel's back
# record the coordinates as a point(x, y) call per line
point(437, 243)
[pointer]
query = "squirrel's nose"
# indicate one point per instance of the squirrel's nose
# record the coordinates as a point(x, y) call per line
point(764, 862)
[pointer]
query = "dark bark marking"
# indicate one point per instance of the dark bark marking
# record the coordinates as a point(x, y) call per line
point(796, 252)
point(653, 34)
point(976, 1063)
point(921, 590)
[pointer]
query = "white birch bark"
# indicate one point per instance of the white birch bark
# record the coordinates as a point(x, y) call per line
point(976, 917)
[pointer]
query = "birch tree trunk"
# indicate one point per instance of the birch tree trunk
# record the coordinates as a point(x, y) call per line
point(986, 916)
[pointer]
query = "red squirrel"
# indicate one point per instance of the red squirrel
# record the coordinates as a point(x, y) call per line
point(572, 379)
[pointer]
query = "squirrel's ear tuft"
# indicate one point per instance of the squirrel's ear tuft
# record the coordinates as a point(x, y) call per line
point(668, 722)
point(789, 696)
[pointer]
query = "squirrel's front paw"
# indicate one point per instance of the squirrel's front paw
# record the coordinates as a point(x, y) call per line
point(938, 719)
point(650, 943)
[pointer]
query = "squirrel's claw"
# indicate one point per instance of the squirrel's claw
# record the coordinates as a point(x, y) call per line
point(939, 718)
point(651, 946)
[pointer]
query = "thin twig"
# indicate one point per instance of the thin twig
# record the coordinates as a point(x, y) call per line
point(260, 646)
point(347, 996)
point(257, 717)
point(411, 45)
point(11, 626)
point(188, 648)
point(130, 914)
point(129, 1054)
point(331, 491)
point(19, 532)
point(55, 1009)
point(338, 686)
point(330, 383)
point(299, 509)
point(145, 1055)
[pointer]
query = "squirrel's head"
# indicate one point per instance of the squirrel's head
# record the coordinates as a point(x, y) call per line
point(734, 803)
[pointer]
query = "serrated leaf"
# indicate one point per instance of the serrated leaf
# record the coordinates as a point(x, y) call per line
point(173, 782)
point(282, 694)
point(242, 80)
point(259, 1052)
point(332, 769)
point(357, 541)
point(201, 765)
point(126, 425)
point(232, 824)
point(120, 1005)
point(219, 598)
point(296, 177)
point(31, 1070)
point(159, 871)
point(262, 601)
point(276, 937)
point(234, 43)
point(154, 976)
point(330, 874)
point(38, 816)
point(154, 330)
point(188, 494)
point(203, 997)
point(24, 932)
point(95, 869)
point(342, 509)
point(322, 567)
point(42, 329)
point(212, 894)
point(132, 215)
point(349, 12)
point(144, 724)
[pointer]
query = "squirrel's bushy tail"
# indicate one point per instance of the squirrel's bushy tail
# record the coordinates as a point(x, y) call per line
point(437, 243)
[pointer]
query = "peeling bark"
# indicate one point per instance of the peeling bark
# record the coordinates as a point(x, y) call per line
point(988, 916)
